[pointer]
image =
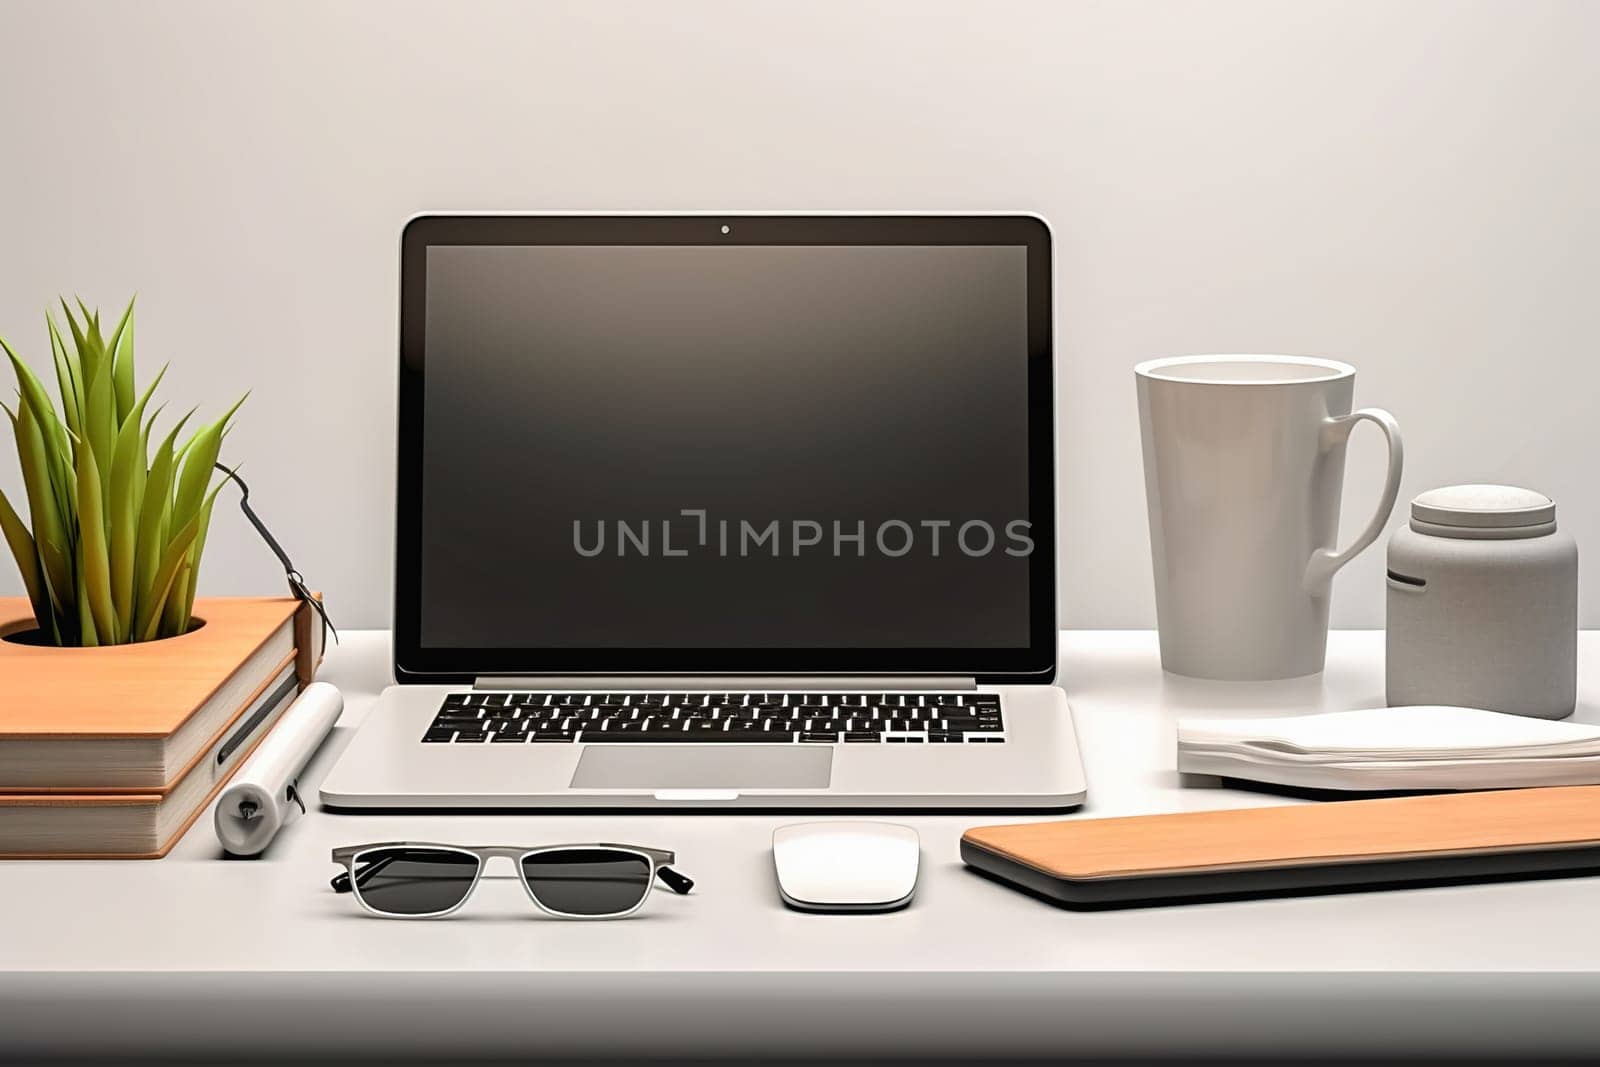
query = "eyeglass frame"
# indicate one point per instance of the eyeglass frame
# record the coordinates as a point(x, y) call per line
point(660, 861)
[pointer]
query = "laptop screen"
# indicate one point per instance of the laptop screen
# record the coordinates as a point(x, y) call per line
point(746, 447)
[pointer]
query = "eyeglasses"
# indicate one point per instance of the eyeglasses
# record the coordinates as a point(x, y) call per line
point(409, 880)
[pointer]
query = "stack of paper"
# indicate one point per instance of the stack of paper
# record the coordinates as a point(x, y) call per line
point(1425, 747)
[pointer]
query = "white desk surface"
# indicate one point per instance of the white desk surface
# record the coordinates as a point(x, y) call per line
point(196, 953)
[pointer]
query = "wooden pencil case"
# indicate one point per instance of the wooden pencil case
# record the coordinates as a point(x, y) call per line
point(1338, 846)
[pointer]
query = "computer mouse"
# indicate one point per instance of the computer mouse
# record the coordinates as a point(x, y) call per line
point(846, 866)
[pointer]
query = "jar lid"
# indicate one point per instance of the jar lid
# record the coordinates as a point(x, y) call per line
point(1484, 507)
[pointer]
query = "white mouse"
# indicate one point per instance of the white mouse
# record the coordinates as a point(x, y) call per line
point(846, 866)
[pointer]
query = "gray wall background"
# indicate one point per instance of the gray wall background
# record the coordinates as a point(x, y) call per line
point(1411, 187)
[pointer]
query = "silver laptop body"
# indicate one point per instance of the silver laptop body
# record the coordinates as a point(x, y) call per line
point(722, 511)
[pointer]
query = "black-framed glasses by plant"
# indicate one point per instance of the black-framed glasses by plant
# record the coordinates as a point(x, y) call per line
point(420, 880)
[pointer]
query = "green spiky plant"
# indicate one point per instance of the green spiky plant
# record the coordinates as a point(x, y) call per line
point(116, 539)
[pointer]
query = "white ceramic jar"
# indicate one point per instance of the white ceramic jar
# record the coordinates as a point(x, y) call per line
point(1483, 603)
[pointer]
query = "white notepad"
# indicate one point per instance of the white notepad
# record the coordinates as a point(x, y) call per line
point(1424, 747)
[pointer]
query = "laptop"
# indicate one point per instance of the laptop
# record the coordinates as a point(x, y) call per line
point(722, 512)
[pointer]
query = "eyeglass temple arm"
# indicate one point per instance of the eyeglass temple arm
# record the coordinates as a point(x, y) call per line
point(678, 883)
point(341, 882)
point(297, 582)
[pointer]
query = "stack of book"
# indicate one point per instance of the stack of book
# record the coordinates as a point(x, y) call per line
point(114, 752)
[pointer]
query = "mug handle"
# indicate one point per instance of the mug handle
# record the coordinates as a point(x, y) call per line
point(1336, 431)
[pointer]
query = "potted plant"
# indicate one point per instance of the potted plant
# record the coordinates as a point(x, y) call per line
point(111, 549)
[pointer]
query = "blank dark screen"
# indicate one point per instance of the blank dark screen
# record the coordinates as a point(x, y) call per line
point(578, 400)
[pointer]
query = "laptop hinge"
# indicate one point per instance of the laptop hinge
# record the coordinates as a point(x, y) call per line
point(677, 682)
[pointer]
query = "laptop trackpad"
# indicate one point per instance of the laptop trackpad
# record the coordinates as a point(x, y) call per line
point(724, 766)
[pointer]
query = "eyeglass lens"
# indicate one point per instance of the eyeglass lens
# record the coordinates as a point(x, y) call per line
point(587, 881)
point(413, 881)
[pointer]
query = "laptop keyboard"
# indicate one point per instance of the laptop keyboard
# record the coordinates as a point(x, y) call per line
point(750, 718)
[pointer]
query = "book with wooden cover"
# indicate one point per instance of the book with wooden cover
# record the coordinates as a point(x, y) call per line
point(1314, 848)
point(115, 751)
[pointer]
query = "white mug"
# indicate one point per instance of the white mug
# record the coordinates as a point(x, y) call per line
point(1243, 474)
